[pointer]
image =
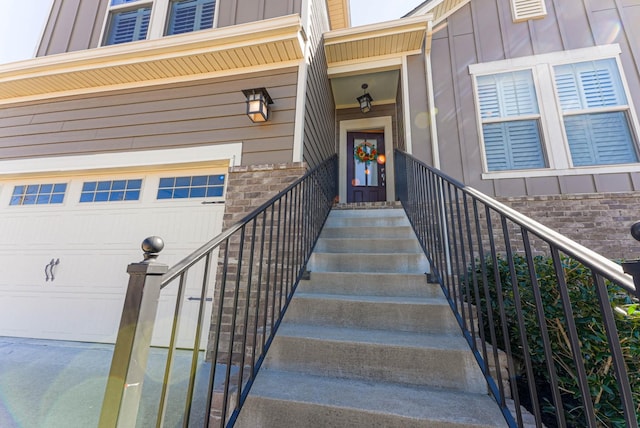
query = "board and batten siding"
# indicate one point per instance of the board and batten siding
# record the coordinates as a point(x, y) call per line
point(483, 31)
point(75, 25)
point(319, 113)
point(234, 12)
point(207, 112)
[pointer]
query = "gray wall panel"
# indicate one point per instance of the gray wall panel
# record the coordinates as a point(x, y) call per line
point(419, 116)
point(487, 34)
point(577, 184)
point(188, 114)
point(510, 187)
point(73, 25)
point(233, 12)
point(483, 31)
point(319, 113)
point(613, 183)
point(543, 185)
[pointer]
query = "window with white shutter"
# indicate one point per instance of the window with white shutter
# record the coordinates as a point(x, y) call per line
point(523, 10)
point(190, 15)
point(131, 20)
point(510, 121)
point(595, 112)
point(128, 24)
point(588, 120)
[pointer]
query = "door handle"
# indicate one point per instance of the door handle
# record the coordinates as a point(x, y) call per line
point(48, 269)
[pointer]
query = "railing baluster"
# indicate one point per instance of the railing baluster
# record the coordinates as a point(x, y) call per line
point(544, 332)
point(454, 224)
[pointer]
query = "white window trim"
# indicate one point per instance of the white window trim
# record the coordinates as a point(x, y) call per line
point(558, 155)
point(230, 154)
point(157, 20)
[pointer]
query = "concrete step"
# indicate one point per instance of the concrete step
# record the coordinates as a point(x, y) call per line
point(367, 232)
point(368, 221)
point(369, 262)
point(442, 361)
point(371, 284)
point(318, 402)
point(367, 245)
point(427, 315)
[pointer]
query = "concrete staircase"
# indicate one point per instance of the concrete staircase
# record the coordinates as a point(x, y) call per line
point(367, 342)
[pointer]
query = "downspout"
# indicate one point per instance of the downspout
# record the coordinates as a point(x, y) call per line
point(435, 150)
point(301, 92)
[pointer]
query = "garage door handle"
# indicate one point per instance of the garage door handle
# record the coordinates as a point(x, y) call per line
point(48, 269)
point(209, 299)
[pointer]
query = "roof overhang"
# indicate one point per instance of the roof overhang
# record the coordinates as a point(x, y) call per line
point(246, 47)
point(440, 9)
point(339, 16)
point(377, 42)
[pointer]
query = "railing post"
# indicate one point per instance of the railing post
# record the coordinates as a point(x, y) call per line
point(632, 267)
point(129, 362)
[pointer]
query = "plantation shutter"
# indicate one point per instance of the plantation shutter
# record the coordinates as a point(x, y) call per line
point(191, 15)
point(522, 10)
point(511, 143)
point(595, 138)
point(129, 26)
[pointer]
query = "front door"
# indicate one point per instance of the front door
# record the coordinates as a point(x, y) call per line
point(366, 167)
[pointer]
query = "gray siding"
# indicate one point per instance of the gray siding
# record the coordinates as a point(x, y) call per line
point(319, 112)
point(483, 31)
point(376, 111)
point(233, 12)
point(420, 137)
point(189, 114)
point(77, 24)
point(73, 25)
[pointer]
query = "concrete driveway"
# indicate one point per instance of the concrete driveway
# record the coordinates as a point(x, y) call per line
point(58, 384)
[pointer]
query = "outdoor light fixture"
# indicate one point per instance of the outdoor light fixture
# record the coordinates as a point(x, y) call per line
point(258, 101)
point(365, 100)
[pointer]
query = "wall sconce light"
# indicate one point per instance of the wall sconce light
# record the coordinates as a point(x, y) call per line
point(365, 100)
point(258, 101)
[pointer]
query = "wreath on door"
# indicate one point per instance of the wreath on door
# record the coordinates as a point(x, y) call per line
point(365, 152)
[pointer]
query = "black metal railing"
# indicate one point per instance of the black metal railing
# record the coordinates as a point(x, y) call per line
point(260, 261)
point(553, 325)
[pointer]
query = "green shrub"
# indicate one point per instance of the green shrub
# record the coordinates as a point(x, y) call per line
point(591, 333)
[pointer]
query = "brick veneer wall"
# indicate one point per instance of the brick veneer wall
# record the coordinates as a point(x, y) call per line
point(599, 221)
point(248, 187)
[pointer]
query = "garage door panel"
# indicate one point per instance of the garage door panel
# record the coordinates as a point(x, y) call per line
point(63, 316)
point(95, 242)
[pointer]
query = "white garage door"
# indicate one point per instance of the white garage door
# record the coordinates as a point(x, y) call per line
point(91, 228)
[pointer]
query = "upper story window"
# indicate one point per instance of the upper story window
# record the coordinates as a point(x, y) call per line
point(190, 15)
point(128, 24)
point(595, 111)
point(510, 121)
point(555, 112)
point(131, 20)
point(38, 194)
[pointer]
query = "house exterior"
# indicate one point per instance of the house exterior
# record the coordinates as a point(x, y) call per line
point(131, 121)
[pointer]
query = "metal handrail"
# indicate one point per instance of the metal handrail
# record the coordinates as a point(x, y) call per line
point(261, 260)
point(484, 255)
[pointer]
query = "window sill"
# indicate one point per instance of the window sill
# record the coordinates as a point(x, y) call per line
point(550, 172)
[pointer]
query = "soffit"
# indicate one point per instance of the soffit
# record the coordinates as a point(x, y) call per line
point(366, 43)
point(440, 9)
point(339, 16)
point(186, 56)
